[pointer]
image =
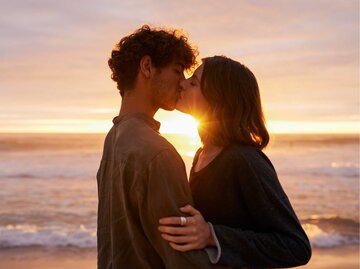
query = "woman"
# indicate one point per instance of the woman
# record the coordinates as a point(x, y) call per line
point(246, 219)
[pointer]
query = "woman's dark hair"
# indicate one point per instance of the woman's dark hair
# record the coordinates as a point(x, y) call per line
point(235, 112)
point(163, 46)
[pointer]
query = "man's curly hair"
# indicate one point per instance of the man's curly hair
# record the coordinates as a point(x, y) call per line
point(163, 46)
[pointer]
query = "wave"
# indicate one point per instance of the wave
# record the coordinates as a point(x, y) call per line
point(320, 239)
point(323, 232)
point(351, 171)
point(338, 169)
point(334, 169)
point(50, 175)
point(50, 167)
point(34, 142)
point(31, 235)
point(331, 231)
point(20, 175)
point(295, 140)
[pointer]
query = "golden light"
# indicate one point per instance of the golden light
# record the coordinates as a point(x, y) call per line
point(59, 126)
point(179, 123)
point(181, 131)
point(172, 123)
point(312, 127)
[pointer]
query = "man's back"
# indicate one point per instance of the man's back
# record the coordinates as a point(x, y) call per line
point(141, 179)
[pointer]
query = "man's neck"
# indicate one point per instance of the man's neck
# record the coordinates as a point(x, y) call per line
point(137, 104)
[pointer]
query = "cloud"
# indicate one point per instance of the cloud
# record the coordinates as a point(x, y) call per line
point(304, 53)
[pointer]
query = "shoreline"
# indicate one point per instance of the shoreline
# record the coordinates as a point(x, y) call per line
point(346, 257)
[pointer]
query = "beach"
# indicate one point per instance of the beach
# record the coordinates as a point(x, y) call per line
point(49, 196)
point(38, 258)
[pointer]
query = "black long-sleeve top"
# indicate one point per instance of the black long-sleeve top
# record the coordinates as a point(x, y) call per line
point(255, 224)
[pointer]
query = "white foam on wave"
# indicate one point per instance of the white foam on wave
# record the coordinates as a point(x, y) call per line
point(32, 235)
point(82, 237)
point(321, 239)
point(333, 169)
point(346, 169)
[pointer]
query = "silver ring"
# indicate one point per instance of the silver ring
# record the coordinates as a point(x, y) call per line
point(183, 221)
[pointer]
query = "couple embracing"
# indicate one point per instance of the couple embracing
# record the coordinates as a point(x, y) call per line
point(232, 212)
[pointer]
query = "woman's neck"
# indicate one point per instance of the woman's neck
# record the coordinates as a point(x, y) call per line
point(209, 148)
point(207, 155)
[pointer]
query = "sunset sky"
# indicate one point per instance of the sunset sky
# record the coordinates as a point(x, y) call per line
point(54, 75)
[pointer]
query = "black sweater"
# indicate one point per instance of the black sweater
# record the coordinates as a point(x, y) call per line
point(240, 194)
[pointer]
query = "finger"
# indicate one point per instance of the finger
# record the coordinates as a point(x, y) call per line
point(188, 209)
point(176, 230)
point(178, 239)
point(190, 221)
point(170, 221)
point(182, 248)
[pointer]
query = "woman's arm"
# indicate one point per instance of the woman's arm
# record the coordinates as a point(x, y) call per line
point(194, 234)
point(278, 239)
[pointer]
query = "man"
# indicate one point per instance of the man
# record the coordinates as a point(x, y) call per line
point(141, 176)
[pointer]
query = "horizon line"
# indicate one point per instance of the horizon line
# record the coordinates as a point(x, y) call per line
point(170, 133)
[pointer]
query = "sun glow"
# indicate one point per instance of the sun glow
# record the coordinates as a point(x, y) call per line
point(178, 123)
point(311, 127)
point(173, 123)
point(180, 130)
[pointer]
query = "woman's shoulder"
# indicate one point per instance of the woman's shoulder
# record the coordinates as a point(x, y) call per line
point(242, 151)
point(255, 168)
point(242, 154)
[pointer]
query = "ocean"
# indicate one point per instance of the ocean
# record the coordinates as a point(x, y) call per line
point(48, 188)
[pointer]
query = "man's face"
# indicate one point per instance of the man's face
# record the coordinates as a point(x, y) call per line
point(166, 85)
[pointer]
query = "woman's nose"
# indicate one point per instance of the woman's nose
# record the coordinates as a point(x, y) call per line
point(182, 85)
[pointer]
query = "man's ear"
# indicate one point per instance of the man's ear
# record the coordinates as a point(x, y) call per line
point(146, 67)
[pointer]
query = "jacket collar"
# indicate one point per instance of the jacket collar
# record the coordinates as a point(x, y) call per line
point(155, 125)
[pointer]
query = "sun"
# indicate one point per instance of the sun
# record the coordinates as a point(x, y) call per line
point(177, 123)
point(181, 131)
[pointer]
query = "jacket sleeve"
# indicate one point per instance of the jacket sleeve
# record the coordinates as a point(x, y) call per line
point(167, 190)
point(277, 239)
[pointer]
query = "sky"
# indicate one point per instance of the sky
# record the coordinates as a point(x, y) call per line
point(53, 59)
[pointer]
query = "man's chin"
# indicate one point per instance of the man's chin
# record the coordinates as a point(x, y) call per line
point(182, 109)
point(168, 107)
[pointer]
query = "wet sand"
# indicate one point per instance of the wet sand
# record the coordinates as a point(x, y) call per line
point(68, 258)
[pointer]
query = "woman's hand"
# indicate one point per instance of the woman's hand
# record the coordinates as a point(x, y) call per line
point(194, 234)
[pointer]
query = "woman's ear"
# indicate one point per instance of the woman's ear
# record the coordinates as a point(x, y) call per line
point(146, 67)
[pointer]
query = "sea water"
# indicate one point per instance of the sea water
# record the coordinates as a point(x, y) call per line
point(48, 189)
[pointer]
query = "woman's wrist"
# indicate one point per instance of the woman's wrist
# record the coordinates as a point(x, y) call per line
point(211, 241)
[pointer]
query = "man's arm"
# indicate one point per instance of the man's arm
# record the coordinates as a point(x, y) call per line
point(167, 191)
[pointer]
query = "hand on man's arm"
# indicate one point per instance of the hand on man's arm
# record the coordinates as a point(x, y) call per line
point(167, 190)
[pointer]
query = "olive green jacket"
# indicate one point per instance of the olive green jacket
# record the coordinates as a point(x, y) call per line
point(141, 179)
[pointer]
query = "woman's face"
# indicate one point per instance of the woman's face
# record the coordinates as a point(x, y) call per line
point(192, 100)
